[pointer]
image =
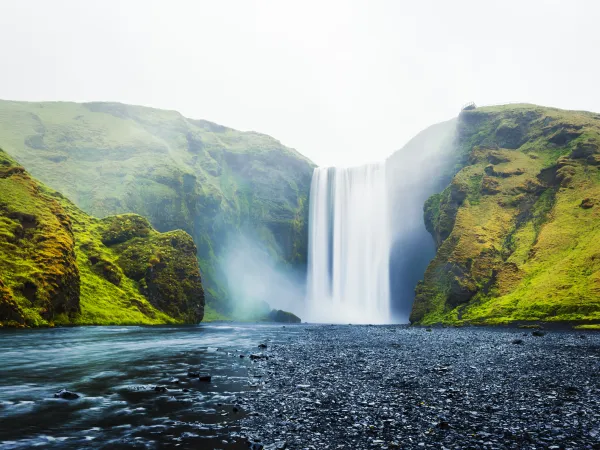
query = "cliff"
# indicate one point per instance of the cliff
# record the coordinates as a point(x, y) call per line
point(517, 230)
point(214, 182)
point(60, 266)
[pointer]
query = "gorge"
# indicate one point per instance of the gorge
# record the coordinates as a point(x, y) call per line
point(490, 217)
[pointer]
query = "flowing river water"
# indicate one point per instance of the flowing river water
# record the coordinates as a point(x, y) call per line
point(116, 370)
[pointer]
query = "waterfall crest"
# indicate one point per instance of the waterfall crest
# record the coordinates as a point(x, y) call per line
point(349, 246)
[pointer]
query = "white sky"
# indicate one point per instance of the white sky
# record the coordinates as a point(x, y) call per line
point(344, 82)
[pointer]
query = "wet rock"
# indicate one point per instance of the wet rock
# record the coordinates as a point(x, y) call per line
point(262, 346)
point(256, 356)
point(161, 389)
point(443, 425)
point(517, 341)
point(255, 445)
point(66, 395)
point(538, 333)
point(193, 374)
point(339, 386)
point(205, 378)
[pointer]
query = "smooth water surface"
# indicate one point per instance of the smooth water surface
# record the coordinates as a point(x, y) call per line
point(115, 371)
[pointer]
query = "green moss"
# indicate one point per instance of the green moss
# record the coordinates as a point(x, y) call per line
point(208, 180)
point(594, 326)
point(60, 266)
point(520, 247)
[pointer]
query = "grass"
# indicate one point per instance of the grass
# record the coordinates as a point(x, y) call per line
point(526, 249)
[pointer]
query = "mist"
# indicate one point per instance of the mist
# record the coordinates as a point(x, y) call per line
point(257, 282)
point(421, 168)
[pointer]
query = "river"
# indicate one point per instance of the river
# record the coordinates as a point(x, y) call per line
point(116, 370)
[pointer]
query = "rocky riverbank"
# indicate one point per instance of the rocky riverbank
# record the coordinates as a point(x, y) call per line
point(363, 387)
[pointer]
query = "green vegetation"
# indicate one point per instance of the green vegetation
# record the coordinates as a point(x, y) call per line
point(518, 228)
point(59, 266)
point(211, 181)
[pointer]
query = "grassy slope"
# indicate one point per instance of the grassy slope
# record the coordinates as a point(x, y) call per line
point(186, 174)
point(514, 241)
point(55, 267)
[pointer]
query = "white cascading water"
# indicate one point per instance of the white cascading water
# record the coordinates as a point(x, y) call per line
point(349, 246)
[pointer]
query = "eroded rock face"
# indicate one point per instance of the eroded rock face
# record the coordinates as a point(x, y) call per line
point(37, 251)
point(164, 265)
point(515, 227)
point(54, 258)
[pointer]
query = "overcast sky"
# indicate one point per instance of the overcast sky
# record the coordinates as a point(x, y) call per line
point(344, 82)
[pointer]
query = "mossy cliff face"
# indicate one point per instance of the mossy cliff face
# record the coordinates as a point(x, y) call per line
point(211, 181)
point(60, 266)
point(518, 228)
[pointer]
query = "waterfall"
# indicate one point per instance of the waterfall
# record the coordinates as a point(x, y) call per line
point(349, 246)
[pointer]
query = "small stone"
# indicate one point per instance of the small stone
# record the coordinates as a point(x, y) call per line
point(517, 341)
point(538, 333)
point(66, 395)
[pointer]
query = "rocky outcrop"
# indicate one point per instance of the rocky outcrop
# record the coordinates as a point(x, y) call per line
point(37, 251)
point(277, 315)
point(516, 229)
point(61, 266)
point(164, 265)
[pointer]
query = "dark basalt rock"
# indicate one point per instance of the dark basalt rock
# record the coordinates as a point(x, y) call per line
point(263, 346)
point(277, 315)
point(205, 378)
point(66, 395)
point(517, 341)
point(538, 333)
point(256, 356)
point(161, 389)
point(349, 387)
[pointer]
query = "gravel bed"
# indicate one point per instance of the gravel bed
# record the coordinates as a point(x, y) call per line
point(388, 387)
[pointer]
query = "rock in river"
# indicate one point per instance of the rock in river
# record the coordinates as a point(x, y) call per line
point(66, 395)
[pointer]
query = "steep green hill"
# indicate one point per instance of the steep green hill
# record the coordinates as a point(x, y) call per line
point(60, 266)
point(209, 180)
point(518, 228)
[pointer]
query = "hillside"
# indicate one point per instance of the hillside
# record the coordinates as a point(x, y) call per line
point(518, 228)
point(60, 266)
point(209, 180)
